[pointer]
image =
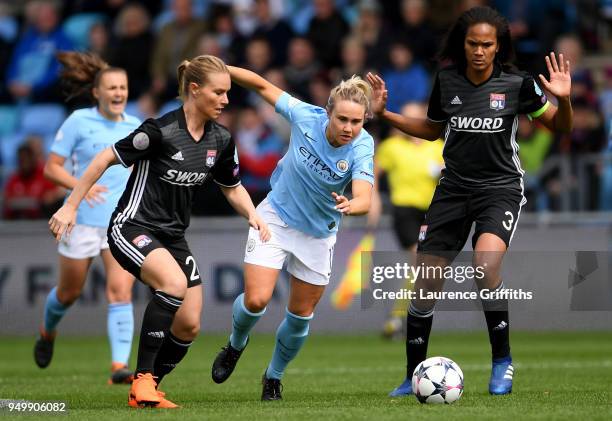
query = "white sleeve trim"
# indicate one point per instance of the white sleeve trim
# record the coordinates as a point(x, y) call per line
point(118, 157)
point(223, 185)
point(437, 121)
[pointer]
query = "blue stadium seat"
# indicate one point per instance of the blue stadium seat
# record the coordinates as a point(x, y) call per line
point(8, 151)
point(77, 28)
point(42, 119)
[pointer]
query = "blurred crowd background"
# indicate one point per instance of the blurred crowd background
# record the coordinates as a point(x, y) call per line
point(304, 47)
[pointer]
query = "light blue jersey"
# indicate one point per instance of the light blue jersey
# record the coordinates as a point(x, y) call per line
point(84, 134)
point(312, 169)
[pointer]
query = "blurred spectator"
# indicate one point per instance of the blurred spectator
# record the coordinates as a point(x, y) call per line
point(259, 150)
point(417, 31)
point(319, 88)
point(353, 56)
point(33, 69)
point(209, 44)
point(372, 34)
point(301, 67)
point(99, 39)
point(230, 40)
point(109, 8)
point(8, 35)
point(27, 194)
point(605, 99)
point(535, 143)
point(258, 56)
point(275, 30)
point(279, 124)
point(176, 41)
point(131, 48)
point(406, 80)
point(326, 31)
point(583, 86)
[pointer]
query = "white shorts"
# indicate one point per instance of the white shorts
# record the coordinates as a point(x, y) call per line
point(308, 258)
point(83, 242)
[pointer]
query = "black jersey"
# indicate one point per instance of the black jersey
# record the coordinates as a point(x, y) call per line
point(168, 165)
point(480, 148)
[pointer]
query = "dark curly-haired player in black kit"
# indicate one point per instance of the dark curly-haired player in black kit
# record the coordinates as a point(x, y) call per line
point(171, 155)
point(474, 105)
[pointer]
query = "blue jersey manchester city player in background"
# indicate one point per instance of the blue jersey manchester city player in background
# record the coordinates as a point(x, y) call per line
point(328, 149)
point(85, 133)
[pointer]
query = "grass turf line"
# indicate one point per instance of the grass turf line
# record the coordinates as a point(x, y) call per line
point(558, 375)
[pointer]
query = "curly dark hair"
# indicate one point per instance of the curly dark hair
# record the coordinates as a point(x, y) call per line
point(81, 72)
point(453, 44)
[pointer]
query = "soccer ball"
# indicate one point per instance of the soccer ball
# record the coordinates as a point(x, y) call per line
point(437, 380)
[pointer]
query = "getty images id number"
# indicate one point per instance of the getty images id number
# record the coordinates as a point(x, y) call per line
point(22, 406)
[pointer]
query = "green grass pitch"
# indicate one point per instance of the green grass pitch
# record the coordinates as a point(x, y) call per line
point(558, 376)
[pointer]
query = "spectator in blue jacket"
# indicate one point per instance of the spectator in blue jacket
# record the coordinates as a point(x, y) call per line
point(33, 69)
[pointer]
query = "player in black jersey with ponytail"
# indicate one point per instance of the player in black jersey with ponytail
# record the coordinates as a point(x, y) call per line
point(171, 155)
point(474, 105)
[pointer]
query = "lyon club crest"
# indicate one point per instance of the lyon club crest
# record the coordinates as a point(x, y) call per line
point(497, 101)
point(211, 156)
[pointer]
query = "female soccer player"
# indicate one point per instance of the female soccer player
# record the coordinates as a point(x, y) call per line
point(328, 149)
point(171, 156)
point(85, 133)
point(476, 102)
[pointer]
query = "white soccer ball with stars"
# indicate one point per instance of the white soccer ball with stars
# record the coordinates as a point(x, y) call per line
point(437, 380)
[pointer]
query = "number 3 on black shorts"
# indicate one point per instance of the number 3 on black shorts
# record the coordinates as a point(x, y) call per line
point(508, 223)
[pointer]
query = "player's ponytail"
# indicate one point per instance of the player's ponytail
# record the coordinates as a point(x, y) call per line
point(354, 89)
point(81, 72)
point(196, 71)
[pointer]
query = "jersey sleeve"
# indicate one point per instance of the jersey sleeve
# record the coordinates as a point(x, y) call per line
point(292, 108)
point(363, 167)
point(226, 171)
point(138, 145)
point(434, 110)
point(532, 101)
point(66, 137)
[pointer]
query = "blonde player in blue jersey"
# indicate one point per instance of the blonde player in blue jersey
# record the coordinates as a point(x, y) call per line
point(84, 134)
point(328, 150)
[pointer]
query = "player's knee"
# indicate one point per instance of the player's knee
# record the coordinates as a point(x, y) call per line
point(255, 303)
point(177, 286)
point(118, 294)
point(188, 330)
point(67, 296)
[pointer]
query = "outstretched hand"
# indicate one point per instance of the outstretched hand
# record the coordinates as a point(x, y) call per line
point(379, 93)
point(560, 83)
point(343, 205)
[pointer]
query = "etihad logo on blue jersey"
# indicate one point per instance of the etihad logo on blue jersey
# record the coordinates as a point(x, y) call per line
point(476, 124)
point(314, 163)
point(184, 178)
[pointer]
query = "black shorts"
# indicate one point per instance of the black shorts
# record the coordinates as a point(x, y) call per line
point(406, 223)
point(130, 244)
point(454, 209)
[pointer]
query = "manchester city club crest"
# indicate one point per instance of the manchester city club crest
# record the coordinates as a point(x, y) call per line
point(497, 101)
point(211, 156)
point(342, 165)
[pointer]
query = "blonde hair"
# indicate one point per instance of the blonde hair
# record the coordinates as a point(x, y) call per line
point(354, 89)
point(197, 70)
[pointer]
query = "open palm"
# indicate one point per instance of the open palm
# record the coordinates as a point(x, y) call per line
point(560, 83)
point(379, 93)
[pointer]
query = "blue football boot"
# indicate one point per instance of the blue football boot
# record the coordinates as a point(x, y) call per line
point(404, 389)
point(501, 376)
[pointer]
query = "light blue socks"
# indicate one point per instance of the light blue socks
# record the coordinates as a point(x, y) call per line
point(54, 311)
point(290, 337)
point(242, 322)
point(120, 324)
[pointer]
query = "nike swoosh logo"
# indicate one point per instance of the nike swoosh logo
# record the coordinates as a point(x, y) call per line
point(308, 137)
